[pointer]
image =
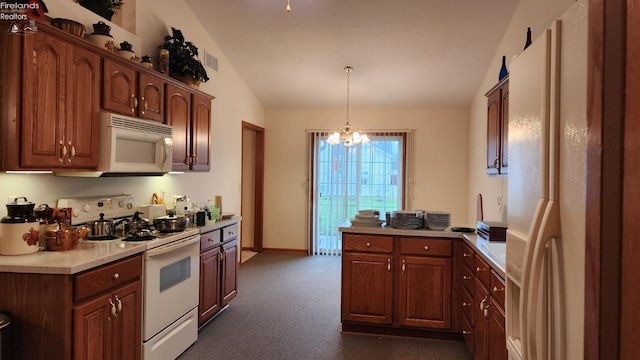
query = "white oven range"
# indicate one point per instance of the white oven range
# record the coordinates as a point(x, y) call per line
point(171, 277)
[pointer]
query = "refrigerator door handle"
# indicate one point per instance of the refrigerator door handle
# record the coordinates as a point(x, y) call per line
point(536, 340)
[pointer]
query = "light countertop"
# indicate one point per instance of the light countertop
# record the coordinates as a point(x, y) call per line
point(375, 230)
point(85, 256)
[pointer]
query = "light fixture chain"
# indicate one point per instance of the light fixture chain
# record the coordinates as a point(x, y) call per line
point(348, 70)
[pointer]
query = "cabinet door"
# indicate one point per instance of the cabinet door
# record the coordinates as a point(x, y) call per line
point(83, 93)
point(209, 284)
point(127, 327)
point(93, 325)
point(119, 88)
point(229, 271)
point(493, 132)
point(43, 101)
point(179, 117)
point(151, 97)
point(201, 132)
point(480, 321)
point(497, 333)
point(425, 292)
point(367, 288)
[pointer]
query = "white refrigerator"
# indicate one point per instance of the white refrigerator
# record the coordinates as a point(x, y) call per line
point(545, 263)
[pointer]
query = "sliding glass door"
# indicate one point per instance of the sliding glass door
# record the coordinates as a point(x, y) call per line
point(348, 179)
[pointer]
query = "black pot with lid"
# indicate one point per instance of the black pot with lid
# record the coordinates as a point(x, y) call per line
point(19, 211)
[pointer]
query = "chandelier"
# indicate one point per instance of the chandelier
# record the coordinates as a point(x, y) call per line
point(347, 134)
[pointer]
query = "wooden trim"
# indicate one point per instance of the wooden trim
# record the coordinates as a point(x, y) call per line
point(258, 201)
point(606, 86)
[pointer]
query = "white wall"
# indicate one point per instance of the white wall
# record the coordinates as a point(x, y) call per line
point(537, 14)
point(440, 147)
point(234, 103)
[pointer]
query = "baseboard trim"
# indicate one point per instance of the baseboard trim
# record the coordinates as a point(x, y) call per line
point(286, 251)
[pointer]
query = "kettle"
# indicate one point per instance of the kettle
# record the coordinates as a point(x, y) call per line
point(65, 237)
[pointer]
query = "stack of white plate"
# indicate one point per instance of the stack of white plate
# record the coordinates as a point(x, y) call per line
point(407, 219)
point(367, 218)
point(436, 220)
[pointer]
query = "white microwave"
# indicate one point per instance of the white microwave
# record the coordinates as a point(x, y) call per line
point(131, 146)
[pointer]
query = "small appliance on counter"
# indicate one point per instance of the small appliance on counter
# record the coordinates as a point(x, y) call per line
point(152, 211)
point(19, 230)
point(492, 230)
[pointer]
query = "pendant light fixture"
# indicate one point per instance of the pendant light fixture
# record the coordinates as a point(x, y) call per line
point(347, 134)
point(288, 8)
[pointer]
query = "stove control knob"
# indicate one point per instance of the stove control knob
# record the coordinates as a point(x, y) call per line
point(121, 203)
point(86, 207)
point(129, 206)
point(75, 212)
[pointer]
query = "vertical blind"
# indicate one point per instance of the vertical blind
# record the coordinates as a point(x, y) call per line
point(347, 179)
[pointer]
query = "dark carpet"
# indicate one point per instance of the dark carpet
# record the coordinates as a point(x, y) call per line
point(288, 307)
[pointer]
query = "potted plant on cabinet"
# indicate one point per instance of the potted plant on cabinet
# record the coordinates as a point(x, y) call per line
point(183, 62)
point(104, 8)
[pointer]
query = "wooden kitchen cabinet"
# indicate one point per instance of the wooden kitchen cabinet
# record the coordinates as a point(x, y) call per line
point(189, 113)
point(218, 271)
point(131, 92)
point(56, 85)
point(396, 282)
point(60, 316)
point(497, 128)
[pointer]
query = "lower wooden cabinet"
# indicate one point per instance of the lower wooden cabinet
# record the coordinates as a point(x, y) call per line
point(90, 315)
point(218, 271)
point(396, 282)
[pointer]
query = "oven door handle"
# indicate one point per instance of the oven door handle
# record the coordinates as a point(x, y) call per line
point(172, 247)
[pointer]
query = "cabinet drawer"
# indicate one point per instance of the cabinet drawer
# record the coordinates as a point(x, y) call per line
point(497, 288)
point(367, 243)
point(468, 256)
point(483, 271)
point(229, 232)
point(467, 278)
point(431, 247)
point(467, 333)
point(210, 239)
point(106, 278)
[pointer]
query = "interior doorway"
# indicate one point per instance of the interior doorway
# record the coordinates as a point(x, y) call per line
point(252, 192)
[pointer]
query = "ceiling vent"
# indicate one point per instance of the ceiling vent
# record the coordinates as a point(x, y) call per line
point(210, 61)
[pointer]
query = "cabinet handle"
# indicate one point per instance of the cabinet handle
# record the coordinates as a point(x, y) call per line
point(466, 304)
point(495, 162)
point(482, 303)
point(486, 310)
point(144, 105)
point(113, 308)
point(478, 269)
point(195, 159)
point(116, 276)
point(465, 332)
point(72, 152)
point(496, 289)
point(388, 265)
point(119, 304)
point(404, 265)
point(466, 277)
point(466, 255)
point(134, 103)
point(63, 151)
point(368, 244)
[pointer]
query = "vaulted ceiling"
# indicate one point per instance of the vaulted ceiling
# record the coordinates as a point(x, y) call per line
point(404, 52)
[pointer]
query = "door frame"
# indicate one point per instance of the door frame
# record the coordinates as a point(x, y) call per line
point(258, 200)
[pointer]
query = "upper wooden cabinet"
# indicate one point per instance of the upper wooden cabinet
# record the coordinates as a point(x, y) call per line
point(50, 103)
point(130, 92)
point(189, 113)
point(498, 128)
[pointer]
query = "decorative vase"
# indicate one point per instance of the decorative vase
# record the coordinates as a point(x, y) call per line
point(503, 69)
point(190, 81)
point(146, 62)
point(163, 61)
point(528, 42)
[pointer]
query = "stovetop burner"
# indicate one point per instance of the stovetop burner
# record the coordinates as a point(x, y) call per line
point(101, 237)
point(140, 235)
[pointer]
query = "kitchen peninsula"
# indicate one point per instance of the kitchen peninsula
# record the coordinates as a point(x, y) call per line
point(424, 283)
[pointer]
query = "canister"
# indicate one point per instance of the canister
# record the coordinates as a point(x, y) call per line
point(19, 229)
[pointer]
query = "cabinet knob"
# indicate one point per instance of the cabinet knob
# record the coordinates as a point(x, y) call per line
point(466, 255)
point(496, 289)
point(368, 244)
point(465, 332)
point(465, 277)
point(466, 304)
point(116, 276)
point(478, 269)
point(426, 248)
